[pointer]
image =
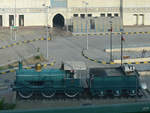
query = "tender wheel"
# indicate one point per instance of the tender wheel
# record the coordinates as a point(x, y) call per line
point(25, 94)
point(71, 93)
point(48, 93)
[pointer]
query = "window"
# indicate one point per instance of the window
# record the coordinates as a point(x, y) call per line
point(116, 15)
point(89, 15)
point(21, 20)
point(1, 20)
point(109, 15)
point(75, 15)
point(102, 15)
point(11, 20)
point(92, 24)
point(82, 15)
point(135, 19)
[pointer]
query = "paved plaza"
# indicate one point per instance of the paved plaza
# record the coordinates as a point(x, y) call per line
point(67, 48)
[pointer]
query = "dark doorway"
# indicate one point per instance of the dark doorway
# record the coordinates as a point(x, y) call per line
point(1, 20)
point(58, 21)
point(11, 20)
point(21, 20)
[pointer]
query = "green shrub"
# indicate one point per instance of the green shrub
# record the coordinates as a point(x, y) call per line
point(6, 106)
point(37, 57)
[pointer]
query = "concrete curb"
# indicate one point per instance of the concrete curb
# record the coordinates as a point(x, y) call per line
point(136, 60)
point(108, 33)
point(130, 61)
point(138, 49)
point(23, 42)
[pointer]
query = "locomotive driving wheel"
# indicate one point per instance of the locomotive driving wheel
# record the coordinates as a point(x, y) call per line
point(48, 93)
point(71, 93)
point(25, 94)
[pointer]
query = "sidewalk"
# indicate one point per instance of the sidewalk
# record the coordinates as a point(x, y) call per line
point(101, 55)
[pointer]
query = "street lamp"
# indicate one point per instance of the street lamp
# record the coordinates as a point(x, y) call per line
point(15, 19)
point(47, 34)
point(87, 38)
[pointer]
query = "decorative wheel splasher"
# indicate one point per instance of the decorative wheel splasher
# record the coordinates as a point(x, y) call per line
point(25, 94)
point(71, 93)
point(48, 93)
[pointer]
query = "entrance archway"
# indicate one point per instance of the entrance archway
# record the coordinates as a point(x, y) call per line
point(58, 21)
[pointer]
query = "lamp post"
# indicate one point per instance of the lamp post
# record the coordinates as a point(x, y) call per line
point(121, 30)
point(87, 38)
point(14, 28)
point(122, 38)
point(111, 40)
point(47, 9)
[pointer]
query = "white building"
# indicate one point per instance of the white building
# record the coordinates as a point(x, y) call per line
point(39, 12)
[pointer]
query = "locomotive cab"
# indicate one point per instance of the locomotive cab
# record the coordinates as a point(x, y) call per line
point(75, 78)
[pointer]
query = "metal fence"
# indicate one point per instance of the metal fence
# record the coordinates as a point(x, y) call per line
point(95, 24)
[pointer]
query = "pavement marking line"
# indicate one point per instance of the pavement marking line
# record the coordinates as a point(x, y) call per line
point(137, 62)
point(49, 38)
point(103, 62)
point(115, 33)
point(14, 44)
point(52, 64)
point(12, 70)
point(112, 63)
point(9, 45)
point(25, 41)
point(3, 72)
point(3, 47)
point(145, 62)
point(45, 65)
point(42, 39)
point(95, 60)
point(129, 63)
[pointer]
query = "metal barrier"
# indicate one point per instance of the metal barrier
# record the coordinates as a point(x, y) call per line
point(139, 107)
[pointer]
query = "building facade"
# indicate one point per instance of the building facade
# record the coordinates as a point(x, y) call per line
point(60, 12)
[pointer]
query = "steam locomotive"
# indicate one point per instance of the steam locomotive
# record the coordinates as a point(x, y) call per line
point(74, 79)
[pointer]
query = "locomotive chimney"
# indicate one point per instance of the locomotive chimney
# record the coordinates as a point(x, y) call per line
point(20, 65)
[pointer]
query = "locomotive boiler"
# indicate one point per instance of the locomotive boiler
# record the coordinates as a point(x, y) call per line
point(47, 82)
